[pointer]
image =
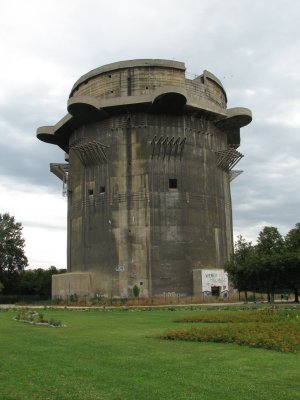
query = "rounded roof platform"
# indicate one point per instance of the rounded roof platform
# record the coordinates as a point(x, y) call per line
point(128, 64)
point(161, 88)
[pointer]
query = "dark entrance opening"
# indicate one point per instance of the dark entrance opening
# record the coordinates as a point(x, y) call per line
point(172, 183)
point(216, 291)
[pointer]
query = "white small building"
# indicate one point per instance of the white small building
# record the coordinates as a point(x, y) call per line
point(210, 282)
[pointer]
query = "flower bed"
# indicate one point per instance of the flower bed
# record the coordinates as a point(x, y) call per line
point(274, 336)
point(36, 318)
point(262, 315)
point(271, 328)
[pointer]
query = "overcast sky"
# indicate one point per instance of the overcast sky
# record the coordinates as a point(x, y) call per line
point(253, 47)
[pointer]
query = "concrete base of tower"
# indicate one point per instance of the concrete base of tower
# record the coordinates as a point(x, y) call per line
point(71, 284)
point(87, 285)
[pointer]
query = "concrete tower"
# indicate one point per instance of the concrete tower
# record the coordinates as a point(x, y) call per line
point(150, 155)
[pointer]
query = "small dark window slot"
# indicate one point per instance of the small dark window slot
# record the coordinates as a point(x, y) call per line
point(102, 189)
point(90, 192)
point(173, 184)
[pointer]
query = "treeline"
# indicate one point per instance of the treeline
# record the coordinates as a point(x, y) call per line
point(270, 266)
point(35, 282)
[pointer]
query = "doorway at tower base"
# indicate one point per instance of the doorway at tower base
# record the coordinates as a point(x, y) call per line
point(210, 282)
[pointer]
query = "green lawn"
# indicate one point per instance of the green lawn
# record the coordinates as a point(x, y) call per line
point(115, 355)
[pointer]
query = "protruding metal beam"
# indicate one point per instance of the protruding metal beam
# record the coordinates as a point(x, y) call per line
point(90, 153)
point(234, 174)
point(227, 159)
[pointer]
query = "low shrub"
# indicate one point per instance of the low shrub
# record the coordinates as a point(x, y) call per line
point(273, 336)
point(55, 323)
point(136, 291)
point(36, 318)
point(260, 315)
point(29, 316)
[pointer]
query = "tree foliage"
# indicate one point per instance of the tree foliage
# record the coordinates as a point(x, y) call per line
point(33, 282)
point(37, 281)
point(239, 267)
point(12, 254)
point(269, 241)
point(14, 279)
point(292, 239)
point(272, 264)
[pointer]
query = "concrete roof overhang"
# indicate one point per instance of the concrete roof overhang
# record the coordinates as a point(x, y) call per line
point(167, 99)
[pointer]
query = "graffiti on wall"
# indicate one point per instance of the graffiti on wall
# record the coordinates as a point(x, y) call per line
point(214, 278)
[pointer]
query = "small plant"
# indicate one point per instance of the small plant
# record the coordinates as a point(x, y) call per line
point(29, 316)
point(40, 317)
point(54, 322)
point(136, 291)
point(73, 298)
point(32, 317)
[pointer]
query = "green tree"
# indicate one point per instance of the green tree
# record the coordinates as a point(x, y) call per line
point(12, 254)
point(270, 267)
point(37, 281)
point(272, 264)
point(240, 267)
point(270, 241)
point(292, 241)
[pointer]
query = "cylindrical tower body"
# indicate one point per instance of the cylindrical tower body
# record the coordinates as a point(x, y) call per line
point(150, 162)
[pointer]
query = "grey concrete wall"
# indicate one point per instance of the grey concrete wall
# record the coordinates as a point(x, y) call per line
point(133, 128)
point(65, 285)
point(156, 233)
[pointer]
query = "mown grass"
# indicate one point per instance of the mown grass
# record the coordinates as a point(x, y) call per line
point(115, 356)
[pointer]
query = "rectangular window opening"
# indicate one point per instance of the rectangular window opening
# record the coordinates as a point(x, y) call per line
point(102, 189)
point(173, 184)
point(90, 192)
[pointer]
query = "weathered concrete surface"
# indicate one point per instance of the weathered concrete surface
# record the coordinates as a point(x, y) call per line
point(71, 283)
point(150, 162)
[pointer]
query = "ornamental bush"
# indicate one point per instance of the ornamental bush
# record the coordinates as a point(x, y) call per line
point(269, 328)
point(36, 318)
point(271, 336)
point(261, 315)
